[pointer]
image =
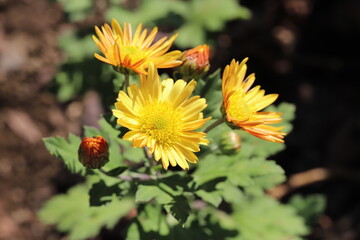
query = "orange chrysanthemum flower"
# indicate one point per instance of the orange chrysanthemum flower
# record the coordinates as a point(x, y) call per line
point(133, 53)
point(162, 116)
point(241, 106)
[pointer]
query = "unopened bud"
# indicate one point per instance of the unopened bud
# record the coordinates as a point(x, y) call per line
point(230, 142)
point(93, 152)
point(195, 62)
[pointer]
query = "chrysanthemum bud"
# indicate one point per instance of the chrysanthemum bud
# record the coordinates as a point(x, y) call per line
point(230, 142)
point(93, 152)
point(195, 62)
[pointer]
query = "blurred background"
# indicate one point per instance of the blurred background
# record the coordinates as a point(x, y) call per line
point(305, 50)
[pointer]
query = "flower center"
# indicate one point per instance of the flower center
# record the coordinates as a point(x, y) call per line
point(238, 108)
point(134, 53)
point(161, 122)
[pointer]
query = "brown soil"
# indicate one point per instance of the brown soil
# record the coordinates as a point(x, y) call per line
point(29, 58)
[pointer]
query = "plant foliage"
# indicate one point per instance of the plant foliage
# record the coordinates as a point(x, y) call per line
point(221, 197)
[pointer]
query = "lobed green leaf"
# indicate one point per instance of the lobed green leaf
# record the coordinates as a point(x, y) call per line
point(66, 151)
point(72, 213)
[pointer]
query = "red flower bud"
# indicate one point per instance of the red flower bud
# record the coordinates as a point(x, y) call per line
point(195, 62)
point(93, 152)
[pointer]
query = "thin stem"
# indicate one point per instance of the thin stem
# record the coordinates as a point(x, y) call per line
point(213, 125)
point(127, 81)
point(133, 176)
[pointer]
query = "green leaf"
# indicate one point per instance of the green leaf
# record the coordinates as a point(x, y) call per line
point(135, 155)
point(162, 190)
point(212, 92)
point(151, 10)
point(77, 48)
point(212, 167)
point(77, 10)
point(309, 207)
point(255, 174)
point(90, 131)
point(192, 29)
point(126, 15)
point(229, 192)
point(108, 180)
point(168, 191)
point(265, 218)
point(206, 15)
point(202, 224)
point(146, 193)
point(148, 12)
point(149, 224)
point(214, 197)
point(71, 213)
point(66, 151)
point(100, 193)
point(179, 208)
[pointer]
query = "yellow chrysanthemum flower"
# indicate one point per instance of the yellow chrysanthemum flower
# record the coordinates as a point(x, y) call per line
point(162, 117)
point(133, 53)
point(241, 106)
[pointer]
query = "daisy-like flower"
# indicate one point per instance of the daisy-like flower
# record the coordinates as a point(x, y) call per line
point(162, 117)
point(241, 106)
point(132, 53)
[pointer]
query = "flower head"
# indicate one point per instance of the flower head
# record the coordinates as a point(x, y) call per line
point(195, 62)
point(162, 117)
point(241, 106)
point(93, 152)
point(129, 52)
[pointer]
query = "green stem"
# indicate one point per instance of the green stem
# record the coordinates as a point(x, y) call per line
point(213, 125)
point(127, 82)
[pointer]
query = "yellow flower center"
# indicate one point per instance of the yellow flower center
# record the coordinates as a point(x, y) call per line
point(238, 108)
point(161, 122)
point(134, 53)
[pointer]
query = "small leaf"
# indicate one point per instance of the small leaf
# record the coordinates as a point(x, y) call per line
point(66, 151)
point(230, 192)
point(100, 193)
point(146, 193)
point(179, 208)
point(214, 198)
